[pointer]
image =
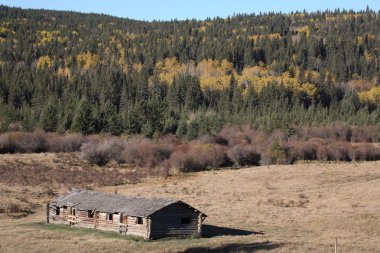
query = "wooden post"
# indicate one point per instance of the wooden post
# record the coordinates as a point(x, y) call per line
point(148, 228)
point(199, 232)
point(47, 212)
point(336, 244)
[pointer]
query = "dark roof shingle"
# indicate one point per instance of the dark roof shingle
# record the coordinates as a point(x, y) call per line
point(111, 203)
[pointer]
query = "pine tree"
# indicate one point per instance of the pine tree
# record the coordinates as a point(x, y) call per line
point(84, 121)
point(182, 128)
point(49, 116)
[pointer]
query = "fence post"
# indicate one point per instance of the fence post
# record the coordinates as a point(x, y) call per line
point(47, 212)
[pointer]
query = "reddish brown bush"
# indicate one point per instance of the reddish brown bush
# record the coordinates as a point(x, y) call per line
point(15, 127)
point(100, 152)
point(233, 136)
point(197, 157)
point(5, 146)
point(304, 150)
point(22, 142)
point(243, 154)
point(364, 152)
point(341, 132)
point(339, 151)
point(141, 152)
point(365, 134)
point(64, 143)
point(335, 151)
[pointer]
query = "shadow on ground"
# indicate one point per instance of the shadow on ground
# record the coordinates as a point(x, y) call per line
point(236, 247)
point(212, 231)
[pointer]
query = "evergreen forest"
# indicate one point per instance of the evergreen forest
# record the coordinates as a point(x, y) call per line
point(91, 73)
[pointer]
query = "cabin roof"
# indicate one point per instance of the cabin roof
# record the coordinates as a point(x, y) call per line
point(113, 203)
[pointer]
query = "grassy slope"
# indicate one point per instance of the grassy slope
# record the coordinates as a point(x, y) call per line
point(297, 208)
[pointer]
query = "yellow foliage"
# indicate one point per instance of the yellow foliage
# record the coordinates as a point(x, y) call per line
point(309, 89)
point(137, 67)
point(214, 74)
point(259, 77)
point(47, 37)
point(168, 69)
point(202, 29)
point(367, 56)
point(130, 36)
point(344, 16)
point(64, 72)
point(349, 16)
point(271, 36)
point(372, 96)
point(122, 56)
point(331, 76)
point(360, 39)
point(87, 60)
point(5, 31)
point(44, 62)
point(226, 66)
point(304, 29)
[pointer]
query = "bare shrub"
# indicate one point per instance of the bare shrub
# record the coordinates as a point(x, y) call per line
point(197, 157)
point(233, 135)
point(64, 143)
point(364, 152)
point(141, 152)
point(339, 151)
point(278, 135)
point(365, 134)
point(340, 132)
point(100, 152)
point(15, 127)
point(5, 146)
point(336, 151)
point(140, 155)
point(304, 150)
point(169, 139)
point(322, 153)
point(243, 154)
point(21, 142)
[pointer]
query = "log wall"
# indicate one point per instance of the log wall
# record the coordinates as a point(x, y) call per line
point(58, 219)
point(133, 228)
point(167, 222)
point(108, 225)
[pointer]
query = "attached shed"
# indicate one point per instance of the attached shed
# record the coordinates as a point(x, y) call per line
point(150, 218)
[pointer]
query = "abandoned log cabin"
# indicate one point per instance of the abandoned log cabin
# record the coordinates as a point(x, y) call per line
point(149, 218)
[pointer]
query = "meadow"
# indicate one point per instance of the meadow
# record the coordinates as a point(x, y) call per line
point(276, 208)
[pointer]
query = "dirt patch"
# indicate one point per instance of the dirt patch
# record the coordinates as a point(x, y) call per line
point(65, 169)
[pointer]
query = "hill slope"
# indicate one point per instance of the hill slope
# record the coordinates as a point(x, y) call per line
point(94, 73)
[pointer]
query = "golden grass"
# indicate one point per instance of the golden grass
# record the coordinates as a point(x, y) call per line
point(298, 208)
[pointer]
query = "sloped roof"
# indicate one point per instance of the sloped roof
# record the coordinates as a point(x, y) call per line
point(112, 203)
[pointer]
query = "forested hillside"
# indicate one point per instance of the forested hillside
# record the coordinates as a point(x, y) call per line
point(89, 73)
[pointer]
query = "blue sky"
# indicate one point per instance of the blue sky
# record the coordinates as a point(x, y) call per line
point(180, 9)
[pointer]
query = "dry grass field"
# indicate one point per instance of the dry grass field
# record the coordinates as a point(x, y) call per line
point(296, 208)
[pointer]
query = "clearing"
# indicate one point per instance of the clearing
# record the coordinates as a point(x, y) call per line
point(297, 208)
